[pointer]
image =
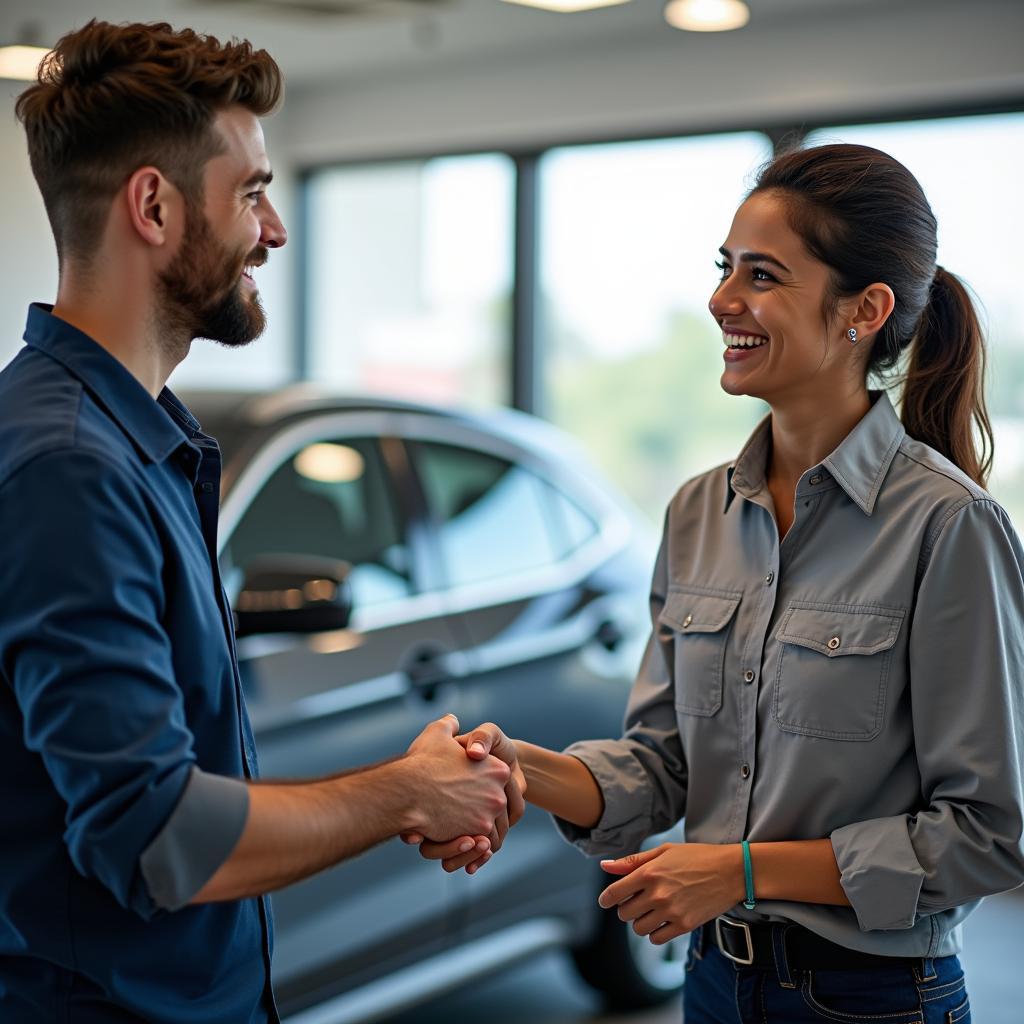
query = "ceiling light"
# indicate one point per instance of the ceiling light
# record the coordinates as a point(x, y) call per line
point(707, 15)
point(21, 62)
point(567, 6)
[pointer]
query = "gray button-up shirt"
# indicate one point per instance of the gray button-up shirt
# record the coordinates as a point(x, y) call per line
point(860, 681)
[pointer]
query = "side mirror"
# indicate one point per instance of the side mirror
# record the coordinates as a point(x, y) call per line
point(293, 594)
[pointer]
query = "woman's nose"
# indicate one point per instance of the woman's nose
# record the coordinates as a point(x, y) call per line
point(725, 301)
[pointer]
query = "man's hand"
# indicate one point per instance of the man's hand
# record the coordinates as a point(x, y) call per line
point(674, 888)
point(472, 852)
point(455, 795)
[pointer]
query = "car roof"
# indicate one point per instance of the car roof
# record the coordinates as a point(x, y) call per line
point(236, 418)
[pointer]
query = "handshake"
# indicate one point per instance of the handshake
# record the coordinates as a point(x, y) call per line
point(468, 792)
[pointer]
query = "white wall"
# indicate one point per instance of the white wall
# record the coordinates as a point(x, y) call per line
point(28, 260)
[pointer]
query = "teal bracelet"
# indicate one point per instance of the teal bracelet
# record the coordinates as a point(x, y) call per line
point(748, 876)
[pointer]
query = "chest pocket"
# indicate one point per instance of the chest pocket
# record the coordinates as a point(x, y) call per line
point(834, 669)
point(699, 621)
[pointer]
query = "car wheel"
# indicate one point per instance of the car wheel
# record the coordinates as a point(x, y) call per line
point(627, 969)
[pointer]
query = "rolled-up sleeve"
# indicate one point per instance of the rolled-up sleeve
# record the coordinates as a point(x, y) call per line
point(966, 656)
point(643, 775)
point(82, 645)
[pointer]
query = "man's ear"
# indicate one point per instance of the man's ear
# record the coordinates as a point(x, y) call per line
point(155, 207)
point(872, 308)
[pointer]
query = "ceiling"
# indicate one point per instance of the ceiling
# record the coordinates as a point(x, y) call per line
point(318, 40)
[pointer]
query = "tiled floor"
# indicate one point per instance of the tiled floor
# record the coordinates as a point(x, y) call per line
point(546, 990)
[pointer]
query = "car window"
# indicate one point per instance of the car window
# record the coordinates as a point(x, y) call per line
point(492, 515)
point(573, 526)
point(332, 499)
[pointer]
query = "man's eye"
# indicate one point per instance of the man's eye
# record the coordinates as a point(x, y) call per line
point(254, 196)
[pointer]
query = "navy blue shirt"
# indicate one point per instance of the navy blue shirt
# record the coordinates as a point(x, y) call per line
point(118, 680)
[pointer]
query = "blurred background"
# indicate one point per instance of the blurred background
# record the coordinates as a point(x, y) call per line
point(492, 205)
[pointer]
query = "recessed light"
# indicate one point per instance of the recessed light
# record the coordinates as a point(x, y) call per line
point(567, 6)
point(21, 62)
point(707, 15)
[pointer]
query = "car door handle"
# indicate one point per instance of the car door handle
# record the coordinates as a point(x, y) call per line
point(427, 669)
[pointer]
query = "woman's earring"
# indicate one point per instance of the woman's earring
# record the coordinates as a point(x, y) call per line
point(852, 335)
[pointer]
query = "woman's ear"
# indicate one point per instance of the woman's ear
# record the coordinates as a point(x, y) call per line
point(870, 310)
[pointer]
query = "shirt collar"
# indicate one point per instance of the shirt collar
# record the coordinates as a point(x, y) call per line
point(858, 465)
point(157, 428)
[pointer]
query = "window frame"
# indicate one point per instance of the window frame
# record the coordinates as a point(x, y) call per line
point(522, 356)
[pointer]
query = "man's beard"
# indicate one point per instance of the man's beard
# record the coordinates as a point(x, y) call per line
point(201, 291)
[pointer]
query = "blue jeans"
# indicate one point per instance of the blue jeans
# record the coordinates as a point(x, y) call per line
point(717, 991)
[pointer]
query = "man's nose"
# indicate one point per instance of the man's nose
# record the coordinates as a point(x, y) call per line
point(272, 231)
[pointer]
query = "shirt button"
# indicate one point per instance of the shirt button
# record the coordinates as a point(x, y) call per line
point(205, 487)
point(769, 579)
point(833, 644)
point(816, 479)
point(748, 676)
point(687, 621)
point(745, 770)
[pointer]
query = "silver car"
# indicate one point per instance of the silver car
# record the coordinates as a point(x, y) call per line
point(388, 563)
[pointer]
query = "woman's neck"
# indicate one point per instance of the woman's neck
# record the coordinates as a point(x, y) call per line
point(804, 434)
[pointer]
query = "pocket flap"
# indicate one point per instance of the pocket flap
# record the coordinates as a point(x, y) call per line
point(837, 630)
point(689, 611)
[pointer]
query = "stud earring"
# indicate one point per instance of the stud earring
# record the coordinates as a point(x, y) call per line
point(852, 335)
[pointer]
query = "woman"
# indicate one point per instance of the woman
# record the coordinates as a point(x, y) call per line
point(832, 692)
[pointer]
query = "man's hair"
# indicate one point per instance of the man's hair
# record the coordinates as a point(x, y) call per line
point(112, 98)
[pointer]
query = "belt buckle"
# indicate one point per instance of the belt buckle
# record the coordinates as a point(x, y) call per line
point(742, 926)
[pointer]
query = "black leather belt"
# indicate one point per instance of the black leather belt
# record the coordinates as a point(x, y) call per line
point(750, 945)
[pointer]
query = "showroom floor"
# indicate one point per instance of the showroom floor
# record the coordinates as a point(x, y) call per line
point(546, 991)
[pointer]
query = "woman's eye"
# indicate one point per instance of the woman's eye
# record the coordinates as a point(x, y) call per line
point(759, 274)
point(723, 267)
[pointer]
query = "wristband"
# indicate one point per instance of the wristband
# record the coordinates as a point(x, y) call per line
point(748, 876)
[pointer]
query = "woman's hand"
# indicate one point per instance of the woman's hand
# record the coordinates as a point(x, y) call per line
point(675, 888)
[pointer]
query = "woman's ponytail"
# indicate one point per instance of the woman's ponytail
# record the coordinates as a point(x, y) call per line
point(943, 388)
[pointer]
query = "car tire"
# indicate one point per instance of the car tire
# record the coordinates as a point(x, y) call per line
point(629, 971)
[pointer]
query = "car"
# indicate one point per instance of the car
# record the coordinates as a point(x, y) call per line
point(389, 562)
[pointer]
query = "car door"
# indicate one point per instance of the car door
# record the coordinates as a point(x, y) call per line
point(551, 635)
point(324, 703)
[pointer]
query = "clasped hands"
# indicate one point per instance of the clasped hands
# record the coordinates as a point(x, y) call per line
point(487, 757)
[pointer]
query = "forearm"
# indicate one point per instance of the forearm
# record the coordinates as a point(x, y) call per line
point(295, 830)
point(801, 871)
point(560, 784)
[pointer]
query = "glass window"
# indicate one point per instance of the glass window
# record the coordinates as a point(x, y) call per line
point(332, 500)
point(572, 526)
point(410, 278)
point(491, 514)
point(969, 168)
point(629, 236)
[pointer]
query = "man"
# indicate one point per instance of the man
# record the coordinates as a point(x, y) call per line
point(137, 845)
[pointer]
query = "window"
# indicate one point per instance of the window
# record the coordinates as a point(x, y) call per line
point(632, 358)
point(969, 169)
point(410, 277)
point(493, 517)
point(572, 526)
point(331, 500)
